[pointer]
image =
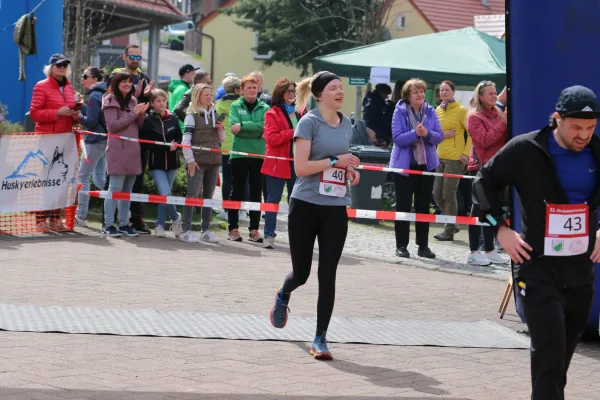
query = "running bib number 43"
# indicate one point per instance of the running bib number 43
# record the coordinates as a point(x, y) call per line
point(333, 182)
point(566, 229)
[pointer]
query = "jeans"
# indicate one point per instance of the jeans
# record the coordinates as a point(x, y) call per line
point(96, 165)
point(164, 183)
point(444, 189)
point(246, 171)
point(274, 193)
point(201, 185)
point(118, 183)
point(137, 209)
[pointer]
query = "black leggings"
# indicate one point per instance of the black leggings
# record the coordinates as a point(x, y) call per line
point(307, 222)
point(475, 232)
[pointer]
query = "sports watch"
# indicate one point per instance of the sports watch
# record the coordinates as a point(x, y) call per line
point(333, 160)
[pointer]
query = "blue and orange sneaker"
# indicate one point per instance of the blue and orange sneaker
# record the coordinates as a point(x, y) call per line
point(279, 312)
point(319, 349)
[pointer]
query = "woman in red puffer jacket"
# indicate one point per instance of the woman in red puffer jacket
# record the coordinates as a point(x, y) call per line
point(53, 110)
point(280, 122)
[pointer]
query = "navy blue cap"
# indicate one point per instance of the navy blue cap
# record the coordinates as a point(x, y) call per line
point(578, 102)
point(57, 58)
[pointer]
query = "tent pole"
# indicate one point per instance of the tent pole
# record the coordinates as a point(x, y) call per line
point(358, 105)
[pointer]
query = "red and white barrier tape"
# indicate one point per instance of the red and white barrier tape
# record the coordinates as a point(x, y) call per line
point(362, 166)
point(281, 208)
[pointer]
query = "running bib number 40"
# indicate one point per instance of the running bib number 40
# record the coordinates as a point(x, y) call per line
point(566, 229)
point(333, 182)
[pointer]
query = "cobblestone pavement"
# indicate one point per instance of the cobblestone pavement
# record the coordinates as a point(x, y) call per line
point(88, 270)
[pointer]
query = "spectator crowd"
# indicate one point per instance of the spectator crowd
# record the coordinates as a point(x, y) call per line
point(239, 116)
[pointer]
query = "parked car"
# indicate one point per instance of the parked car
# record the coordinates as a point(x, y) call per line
point(174, 35)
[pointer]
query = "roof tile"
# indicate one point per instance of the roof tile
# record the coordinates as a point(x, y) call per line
point(445, 15)
point(157, 6)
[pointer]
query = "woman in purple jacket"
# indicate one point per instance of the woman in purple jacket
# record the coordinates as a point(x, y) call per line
point(416, 131)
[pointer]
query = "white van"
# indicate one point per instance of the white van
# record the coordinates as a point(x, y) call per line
point(174, 35)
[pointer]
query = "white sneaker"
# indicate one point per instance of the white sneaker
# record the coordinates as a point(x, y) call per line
point(269, 242)
point(159, 232)
point(209, 237)
point(176, 227)
point(478, 259)
point(496, 258)
point(189, 237)
point(81, 222)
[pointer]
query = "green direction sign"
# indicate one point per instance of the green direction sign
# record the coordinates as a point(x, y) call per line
point(358, 81)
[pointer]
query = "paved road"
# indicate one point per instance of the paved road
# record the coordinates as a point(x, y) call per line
point(146, 272)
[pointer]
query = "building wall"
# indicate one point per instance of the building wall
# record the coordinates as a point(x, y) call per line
point(233, 53)
point(17, 94)
point(414, 25)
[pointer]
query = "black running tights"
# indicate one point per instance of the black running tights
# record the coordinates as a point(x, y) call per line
point(328, 224)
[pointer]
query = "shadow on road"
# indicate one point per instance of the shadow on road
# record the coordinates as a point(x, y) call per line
point(397, 379)
point(25, 393)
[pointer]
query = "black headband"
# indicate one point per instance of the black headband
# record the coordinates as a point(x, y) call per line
point(320, 81)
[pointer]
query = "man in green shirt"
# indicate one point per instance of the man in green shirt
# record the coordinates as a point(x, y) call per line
point(178, 87)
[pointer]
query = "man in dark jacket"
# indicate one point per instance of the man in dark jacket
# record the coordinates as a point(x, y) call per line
point(555, 173)
point(378, 114)
point(180, 109)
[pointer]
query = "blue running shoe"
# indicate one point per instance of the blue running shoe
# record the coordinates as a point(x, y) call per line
point(319, 349)
point(279, 312)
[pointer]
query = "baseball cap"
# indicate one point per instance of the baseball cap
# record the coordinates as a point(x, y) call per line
point(578, 102)
point(187, 68)
point(57, 58)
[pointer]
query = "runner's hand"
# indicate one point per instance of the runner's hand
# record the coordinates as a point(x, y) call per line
point(192, 167)
point(514, 245)
point(595, 257)
point(353, 176)
point(347, 160)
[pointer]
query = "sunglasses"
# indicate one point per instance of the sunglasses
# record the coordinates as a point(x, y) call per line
point(132, 58)
point(84, 77)
point(291, 91)
point(62, 65)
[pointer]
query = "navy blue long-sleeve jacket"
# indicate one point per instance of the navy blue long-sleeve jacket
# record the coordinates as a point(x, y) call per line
point(92, 117)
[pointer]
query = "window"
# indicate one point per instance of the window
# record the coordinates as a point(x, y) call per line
point(401, 22)
point(258, 56)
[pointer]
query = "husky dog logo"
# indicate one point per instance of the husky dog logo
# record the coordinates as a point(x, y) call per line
point(57, 167)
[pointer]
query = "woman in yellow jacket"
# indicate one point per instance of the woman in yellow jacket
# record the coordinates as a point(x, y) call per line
point(453, 153)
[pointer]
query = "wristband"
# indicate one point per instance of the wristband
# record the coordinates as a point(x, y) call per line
point(333, 160)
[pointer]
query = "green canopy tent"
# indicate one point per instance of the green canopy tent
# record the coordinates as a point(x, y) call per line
point(464, 56)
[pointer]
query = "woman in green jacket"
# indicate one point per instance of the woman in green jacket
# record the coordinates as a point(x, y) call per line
point(247, 117)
